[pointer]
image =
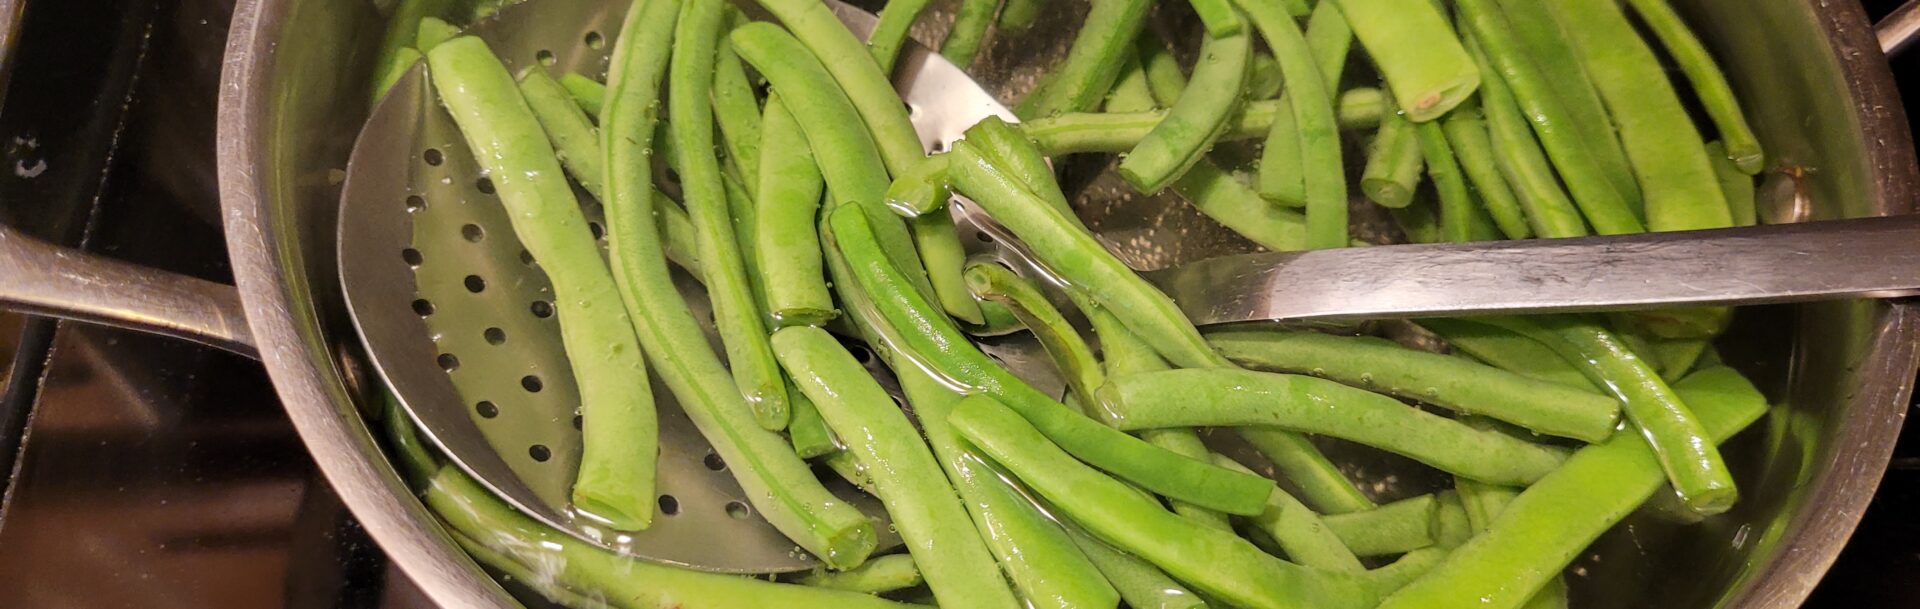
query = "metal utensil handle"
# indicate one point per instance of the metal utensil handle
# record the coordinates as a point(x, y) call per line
point(1899, 29)
point(38, 277)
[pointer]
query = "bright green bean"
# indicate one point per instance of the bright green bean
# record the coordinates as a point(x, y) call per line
point(1317, 132)
point(1508, 350)
point(1018, 15)
point(1603, 205)
point(1235, 205)
point(1319, 481)
point(736, 310)
point(1379, 365)
point(929, 338)
point(1140, 584)
point(1165, 79)
point(1735, 184)
point(926, 512)
point(1118, 131)
point(737, 109)
point(1393, 162)
point(1552, 523)
point(1360, 107)
point(1013, 151)
point(1678, 356)
point(1668, 425)
point(1070, 353)
point(1484, 503)
point(861, 80)
point(1548, 209)
point(1402, 571)
point(779, 485)
point(433, 31)
point(1216, 562)
point(1130, 93)
point(1552, 51)
point(1331, 38)
point(940, 251)
point(1099, 52)
point(809, 433)
point(1466, 132)
point(970, 23)
point(616, 476)
point(1709, 83)
point(572, 134)
point(1458, 208)
point(1197, 120)
point(1666, 150)
point(676, 229)
point(922, 190)
point(889, 35)
point(1395, 528)
point(402, 30)
point(1410, 42)
point(878, 576)
point(1300, 532)
point(1451, 526)
point(416, 459)
point(546, 585)
point(1207, 398)
point(587, 92)
point(785, 242)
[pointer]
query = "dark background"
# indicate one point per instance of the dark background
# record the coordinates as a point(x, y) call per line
point(156, 474)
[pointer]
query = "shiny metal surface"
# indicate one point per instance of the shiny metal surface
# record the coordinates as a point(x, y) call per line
point(38, 277)
point(1899, 29)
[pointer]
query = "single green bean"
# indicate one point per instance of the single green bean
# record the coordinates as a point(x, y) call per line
point(620, 445)
point(1484, 503)
point(1678, 356)
point(1018, 15)
point(1130, 93)
point(1331, 38)
point(1319, 481)
point(1165, 79)
point(1395, 528)
point(1216, 562)
point(417, 463)
point(1552, 523)
point(925, 510)
point(929, 338)
point(1386, 580)
point(1235, 205)
point(1317, 132)
point(922, 190)
point(1207, 398)
point(1603, 204)
point(1360, 107)
point(1666, 150)
point(847, 466)
point(1551, 49)
point(433, 31)
point(676, 230)
point(785, 242)
point(1458, 208)
point(1299, 531)
point(568, 129)
point(1140, 584)
point(547, 585)
point(889, 35)
point(940, 251)
point(1508, 350)
point(777, 482)
point(1548, 209)
point(878, 576)
point(736, 310)
point(1451, 526)
point(1466, 132)
point(475, 515)
point(737, 108)
point(1070, 353)
point(1099, 52)
point(1197, 120)
point(1393, 162)
point(970, 23)
point(861, 79)
point(809, 433)
point(1219, 17)
point(1735, 184)
point(398, 67)
point(1668, 425)
point(1410, 42)
point(402, 29)
point(1263, 77)
point(1709, 83)
point(587, 92)
point(1378, 365)
point(1013, 151)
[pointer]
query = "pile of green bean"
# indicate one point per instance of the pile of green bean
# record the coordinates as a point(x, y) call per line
point(806, 203)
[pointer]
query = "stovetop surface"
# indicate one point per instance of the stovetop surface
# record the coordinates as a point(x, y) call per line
point(157, 474)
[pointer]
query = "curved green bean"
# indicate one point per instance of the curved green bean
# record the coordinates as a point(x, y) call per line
point(1299, 531)
point(1130, 93)
point(1140, 583)
point(572, 134)
point(1235, 205)
point(1395, 528)
point(1552, 523)
point(929, 339)
point(889, 34)
point(1602, 204)
point(1063, 344)
point(880, 575)
point(925, 510)
point(1410, 42)
point(1668, 425)
point(1709, 83)
point(1393, 162)
point(1166, 81)
point(621, 433)
point(784, 239)
point(1666, 150)
point(970, 23)
point(1548, 209)
point(922, 190)
point(1378, 365)
point(1735, 184)
point(1099, 52)
point(1551, 49)
point(737, 109)
point(1459, 211)
point(809, 433)
point(433, 31)
point(1207, 398)
point(1021, 159)
point(1319, 481)
point(940, 251)
point(391, 73)
point(587, 92)
point(402, 31)
point(1215, 562)
point(779, 485)
point(1317, 132)
point(860, 78)
point(1466, 132)
point(1197, 120)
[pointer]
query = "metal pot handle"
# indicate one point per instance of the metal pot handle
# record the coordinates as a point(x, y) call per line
point(38, 277)
point(1899, 29)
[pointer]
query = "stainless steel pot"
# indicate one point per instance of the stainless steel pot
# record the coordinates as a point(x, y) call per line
point(293, 100)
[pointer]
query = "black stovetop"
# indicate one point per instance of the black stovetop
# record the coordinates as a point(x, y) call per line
point(162, 475)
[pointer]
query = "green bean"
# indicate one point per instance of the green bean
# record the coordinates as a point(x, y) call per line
point(1317, 132)
point(1551, 523)
point(1331, 38)
point(1319, 481)
point(1379, 365)
point(1299, 531)
point(1393, 162)
point(402, 30)
point(476, 516)
point(1360, 107)
point(1424, 65)
point(1508, 350)
point(1386, 580)
point(1219, 17)
point(737, 109)
point(889, 34)
point(1263, 77)
point(1735, 184)
point(878, 576)
point(1208, 398)
point(676, 229)
point(1418, 222)
point(544, 584)
point(1130, 93)
point(1458, 209)
point(1014, 152)
point(970, 23)
point(1118, 131)
point(1484, 504)
point(778, 484)
point(991, 281)
point(1216, 562)
point(1451, 526)
point(1675, 433)
point(1141, 585)
point(587, 92)
point(1235, 205)
point(787, 247)
point(1682, 322)
point(735, 309)
point(1552, 51)
point(847, 157)
point(1018, 15)
point(1099, 51)
point(1666, 150)
point(1395, 528)
point(847, 466)
point(1603, 205)
point(433, 31)
point(398, 67)
point(1466, 132)
point(809, 433)
point(1709, 84)
point(417, 462)
point(944, 257)
point(928, 515)
point(1165, 79)
point(569, 130)
point(929, 338)
point(922, 190)
point(1677, 356)
point(616, 475)
point(1196, 121)
point(860, 78)
point(1548, 209)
